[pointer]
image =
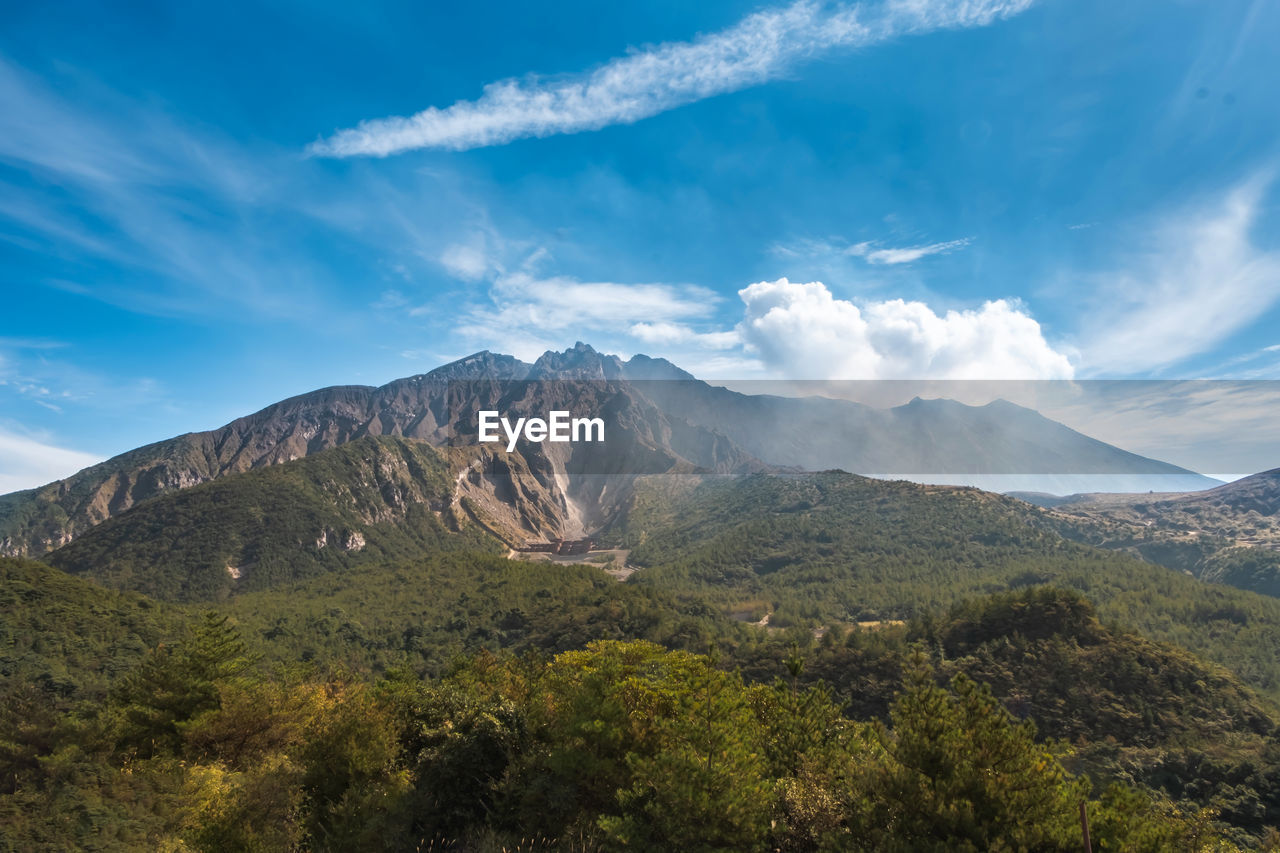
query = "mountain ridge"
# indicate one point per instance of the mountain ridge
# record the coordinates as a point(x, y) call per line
point(1230, 534)
point(665, 421)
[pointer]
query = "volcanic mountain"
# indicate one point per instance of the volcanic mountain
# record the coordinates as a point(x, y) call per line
point(660, 420)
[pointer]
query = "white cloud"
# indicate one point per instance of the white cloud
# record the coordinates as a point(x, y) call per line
point(803, 332)
point(905, 254)
point(869, 251)
point(26, 463)
point(530, 313)
point(561, 302)
point(650, 81)
point(1201, 280)
point(677, 333)
point(468, 263)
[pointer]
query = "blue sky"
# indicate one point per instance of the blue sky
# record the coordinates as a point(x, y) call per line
point(204, 210)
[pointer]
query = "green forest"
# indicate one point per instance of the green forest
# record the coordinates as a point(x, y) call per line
point(805, 663)
point(335, 725)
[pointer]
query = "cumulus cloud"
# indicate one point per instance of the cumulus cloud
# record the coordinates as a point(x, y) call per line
point(26, 463)
point(1200, 280)
point(804, 332)
point(646, 82)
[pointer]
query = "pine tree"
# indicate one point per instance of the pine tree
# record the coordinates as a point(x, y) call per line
point(956, 772)
point(175, 683)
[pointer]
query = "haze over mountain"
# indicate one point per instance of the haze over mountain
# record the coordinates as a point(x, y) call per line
point(659, 419)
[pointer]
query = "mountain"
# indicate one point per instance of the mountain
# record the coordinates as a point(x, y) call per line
point(439, 408)
point(374, 499)
point(659, 420)
point(1230, 534)
point(368, 578)
point(998, 447)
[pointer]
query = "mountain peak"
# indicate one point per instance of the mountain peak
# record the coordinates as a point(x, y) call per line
point(481, 365)
point(644, 367)
point(581, 361)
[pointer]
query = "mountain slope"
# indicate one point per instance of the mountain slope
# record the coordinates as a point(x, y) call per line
point(67, 637)
point(369, 500)
point(1228, 535)
point(439, 407)
point(39, 520)
point(1246, 511)
point(808, 550)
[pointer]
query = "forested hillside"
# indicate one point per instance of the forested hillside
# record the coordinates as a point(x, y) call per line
point(390, 705)
point(1228, 535)
point(831, 547)
point(801, 662)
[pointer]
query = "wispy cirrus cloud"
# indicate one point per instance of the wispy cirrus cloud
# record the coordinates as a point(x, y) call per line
point(646, 82)
point(903, 254)
point(185, 221)
point(870, 251)
point(95, 177)
point(1199, 279)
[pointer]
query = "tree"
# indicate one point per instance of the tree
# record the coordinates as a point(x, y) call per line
point(956, 772)
point(704, 788)
point(175, 683)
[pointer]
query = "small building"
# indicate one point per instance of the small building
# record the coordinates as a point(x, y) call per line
point(560, 546)
point(575, 546)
